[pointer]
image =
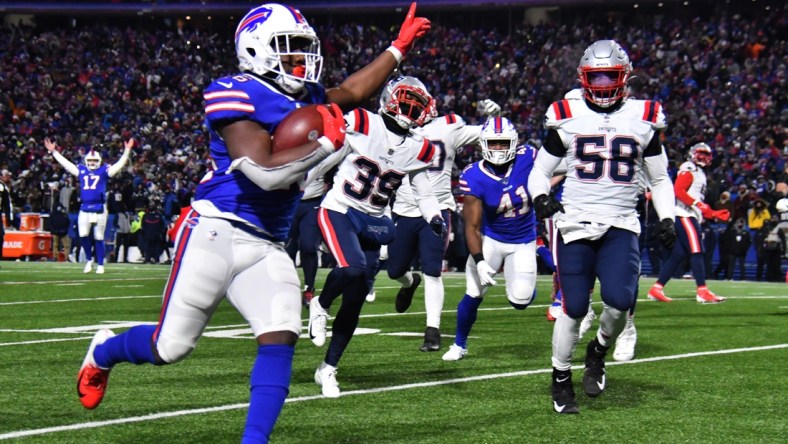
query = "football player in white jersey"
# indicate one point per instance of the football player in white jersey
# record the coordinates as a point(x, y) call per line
point(380, 151)
point(690, 188)
point(448, 134)
point(231, 244)
point(605, 138)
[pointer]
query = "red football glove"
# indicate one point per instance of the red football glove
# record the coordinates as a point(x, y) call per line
point(705, 210)
point(722, 215)
point(412, 28)
point(333, 124)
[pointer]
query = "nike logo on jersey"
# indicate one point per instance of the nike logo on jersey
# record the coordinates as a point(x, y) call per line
point(226, 85)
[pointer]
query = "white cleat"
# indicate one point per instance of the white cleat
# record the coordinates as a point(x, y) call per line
point(586, 323)
point(371, 296)
point(88, 267)
point(625, 344)
point(455, 353)
point(318, 318)
point(326, 378)
point(100, 269)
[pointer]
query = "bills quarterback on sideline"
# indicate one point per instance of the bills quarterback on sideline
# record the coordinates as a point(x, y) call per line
point(605, 138)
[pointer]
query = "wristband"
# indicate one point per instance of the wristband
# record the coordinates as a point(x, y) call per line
point(478, 257)
point(396, 53)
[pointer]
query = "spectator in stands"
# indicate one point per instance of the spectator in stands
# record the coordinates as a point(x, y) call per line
point(773, 249)
point(725, 203)
point(738, 240)
point(123, 237)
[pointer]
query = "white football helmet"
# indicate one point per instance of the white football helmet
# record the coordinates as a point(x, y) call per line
point(498, 140)
point(271, 31)
point(603, 72)
point(92, 159)
point(700, 154)
point(407, 101)
point(782, 205)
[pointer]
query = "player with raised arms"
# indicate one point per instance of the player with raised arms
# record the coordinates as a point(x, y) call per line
point(380, 152)
point(605, 138)
point(500, 227)
point(231, 243)
point(93, 177)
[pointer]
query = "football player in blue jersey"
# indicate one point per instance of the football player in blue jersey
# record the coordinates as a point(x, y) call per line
point(93, 177)
point(500, 227)
point(231, 242)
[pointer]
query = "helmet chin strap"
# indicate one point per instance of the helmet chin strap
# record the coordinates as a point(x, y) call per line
point(289, 84)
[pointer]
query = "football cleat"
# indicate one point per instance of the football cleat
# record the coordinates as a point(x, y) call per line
point(326, 378)
point(432, 340)
point(405, 295)
point(92, 379)
point(586, 323)
point(307, 295)
point(371, 296)
point(318, 318)
point(705, 296)
point(625, 344)
point(100, 269)
point(656, 294)
point(563, 393)
point(554, 311)
point(455, 353)
point(88, 267)
point(594, 376)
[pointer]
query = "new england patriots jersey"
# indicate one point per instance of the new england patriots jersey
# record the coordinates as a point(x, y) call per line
point(93, 187)
point(374, 164)
point(233, 196)
point(696, 190)
point(604, 156)
point(507, 214)
point(448, 134)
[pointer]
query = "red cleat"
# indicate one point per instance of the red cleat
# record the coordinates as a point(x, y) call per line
point(92, 379)
point(705, 296)
point(656, 294)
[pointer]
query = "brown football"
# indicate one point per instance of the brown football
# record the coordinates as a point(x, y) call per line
point(297, 128)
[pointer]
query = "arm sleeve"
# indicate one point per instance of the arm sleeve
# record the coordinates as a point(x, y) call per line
point(278, 177)
point(326, 164)
point(425, 197)
point(65, 163)
point(539, 179)
point(661, 187)
point(683, 183)
point(117, 166)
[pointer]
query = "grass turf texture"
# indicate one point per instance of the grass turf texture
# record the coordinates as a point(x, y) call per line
point(698, 375)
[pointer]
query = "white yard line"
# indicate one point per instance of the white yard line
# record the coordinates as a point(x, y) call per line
point(156, 416)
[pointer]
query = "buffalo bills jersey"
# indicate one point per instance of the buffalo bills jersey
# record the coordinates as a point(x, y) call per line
point(93, 187)
point(507, 214)
point(448, 134)
point(604, 155)
point(233, 196)
point(375, 165)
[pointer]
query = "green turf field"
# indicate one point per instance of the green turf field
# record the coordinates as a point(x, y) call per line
point(702, 373)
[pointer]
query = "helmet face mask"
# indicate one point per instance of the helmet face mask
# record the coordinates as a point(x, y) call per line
point(273, 37)
point(700, 154)
point(92, 160)
point(603, 72)
point(498, 140)
point(406, 100)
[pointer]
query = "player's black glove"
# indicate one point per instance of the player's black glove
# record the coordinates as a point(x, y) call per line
point(438, 226)
point(545, 206)
point(666, 233)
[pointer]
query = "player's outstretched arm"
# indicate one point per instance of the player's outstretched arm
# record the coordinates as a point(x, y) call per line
point(365, 82)
point(472, 217)
point(65, 163)
point(117, 166)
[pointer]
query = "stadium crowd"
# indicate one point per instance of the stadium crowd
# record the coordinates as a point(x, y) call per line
point(721, 79)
